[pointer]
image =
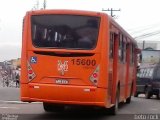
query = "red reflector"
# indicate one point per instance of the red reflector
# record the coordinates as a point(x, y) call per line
point(30, 77)
point(31, 86)
point(30, 71)
point(95, 75)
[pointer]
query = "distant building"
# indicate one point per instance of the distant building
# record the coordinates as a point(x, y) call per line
point(11, 67)
point(1, 65)
point(151, 45)
point(16, 63)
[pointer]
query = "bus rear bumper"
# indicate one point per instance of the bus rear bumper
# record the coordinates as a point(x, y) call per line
point(64, 94)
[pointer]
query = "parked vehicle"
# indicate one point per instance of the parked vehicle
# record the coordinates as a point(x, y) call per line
point(148, 80)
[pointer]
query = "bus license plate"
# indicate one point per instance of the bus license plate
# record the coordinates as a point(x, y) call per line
point(62, 81)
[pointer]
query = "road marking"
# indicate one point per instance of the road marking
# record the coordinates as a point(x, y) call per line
point(154, 109)
point(9, 108)
point(20, 102)
point(17, 102)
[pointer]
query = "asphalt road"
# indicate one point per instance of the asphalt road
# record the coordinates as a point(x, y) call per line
point(11, 108)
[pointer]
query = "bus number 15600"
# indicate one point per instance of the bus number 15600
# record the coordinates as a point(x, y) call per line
point(87, 62)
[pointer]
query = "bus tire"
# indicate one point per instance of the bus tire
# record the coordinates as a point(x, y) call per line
point(158, 96)
point(128, 100)
point(48, 107)
point(113, 110)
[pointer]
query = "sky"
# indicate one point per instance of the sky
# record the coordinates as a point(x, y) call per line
point(140, 18)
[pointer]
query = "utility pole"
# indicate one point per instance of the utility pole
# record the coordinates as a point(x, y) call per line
point(143, 46)
point(36, 6)
point(111, 10)
point(44, 4)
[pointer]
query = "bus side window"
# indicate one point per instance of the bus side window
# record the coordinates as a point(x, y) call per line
point(120, 53)
point(111, 46)
point(134, 54)
point(124, 49)
point(131, 54)
point(120, 47)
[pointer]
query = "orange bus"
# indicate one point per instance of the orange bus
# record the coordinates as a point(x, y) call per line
point(72, 57)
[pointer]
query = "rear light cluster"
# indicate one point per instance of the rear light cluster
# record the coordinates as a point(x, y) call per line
point(95, 75)
point(31, 74)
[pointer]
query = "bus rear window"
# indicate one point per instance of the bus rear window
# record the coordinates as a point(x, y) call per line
point(65, 31)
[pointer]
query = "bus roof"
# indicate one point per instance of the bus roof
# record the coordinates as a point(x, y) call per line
point(65, 11)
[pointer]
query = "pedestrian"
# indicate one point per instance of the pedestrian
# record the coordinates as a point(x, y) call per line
point(17, 79)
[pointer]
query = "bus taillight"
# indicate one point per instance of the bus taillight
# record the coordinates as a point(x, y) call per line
point(31, 74)
point(95, 75)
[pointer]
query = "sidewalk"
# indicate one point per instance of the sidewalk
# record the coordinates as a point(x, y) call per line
point(11, 83)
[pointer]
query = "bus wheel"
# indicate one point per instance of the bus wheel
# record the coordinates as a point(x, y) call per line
point(48, 107)
point(113, 110)
point(147, 93)
point(128, 100)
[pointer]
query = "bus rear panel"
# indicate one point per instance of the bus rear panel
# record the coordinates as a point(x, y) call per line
point(63, 62)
